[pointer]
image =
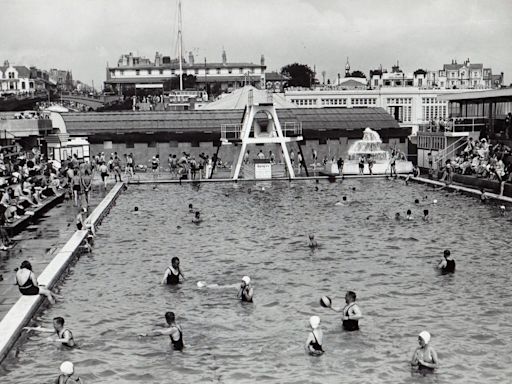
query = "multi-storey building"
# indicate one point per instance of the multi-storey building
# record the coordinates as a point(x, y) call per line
point(410, 106)
point(452, 76)
point(15, 79)
point(134, 72)
point(62, 78)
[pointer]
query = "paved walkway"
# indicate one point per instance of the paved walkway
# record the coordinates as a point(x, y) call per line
point(39, 242)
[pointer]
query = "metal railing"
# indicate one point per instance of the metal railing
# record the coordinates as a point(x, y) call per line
point(292, 129)
point(230, 131)
point(451, 150)
point(456, 124)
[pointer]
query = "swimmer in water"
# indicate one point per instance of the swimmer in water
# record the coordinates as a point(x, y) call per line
point(312, 242)
point(173, 331)
point(502, 210)
point(315, 337)
point(351, 312)
point(64, 335)
point(447, 264)
point(197, 218)
point(343, 202)
point(397, 216)
point(426, 216)
point(416, 201)
point(246, 291)
point(67, 371)
point(173, 272)
point(409, 215)
point(191, 208)
point(424, 357)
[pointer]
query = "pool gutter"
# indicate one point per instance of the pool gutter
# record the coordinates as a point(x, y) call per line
point(26, 307)
point(461, 188)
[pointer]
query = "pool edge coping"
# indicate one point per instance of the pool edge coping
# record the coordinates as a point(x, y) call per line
point(11, 326)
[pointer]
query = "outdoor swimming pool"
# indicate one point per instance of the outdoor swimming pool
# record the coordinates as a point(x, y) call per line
point(114, 293)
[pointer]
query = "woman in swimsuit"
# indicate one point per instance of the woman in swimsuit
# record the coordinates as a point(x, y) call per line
point(424, 357)
point(26, 281)
point(315, 337)
point(66, 374)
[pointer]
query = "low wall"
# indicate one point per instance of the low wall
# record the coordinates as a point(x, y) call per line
point(26, 307)
point(463, 188)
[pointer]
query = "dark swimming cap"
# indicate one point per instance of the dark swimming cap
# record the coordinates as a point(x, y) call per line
point(447, 252)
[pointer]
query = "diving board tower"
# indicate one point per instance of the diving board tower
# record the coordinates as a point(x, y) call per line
point(260, 125)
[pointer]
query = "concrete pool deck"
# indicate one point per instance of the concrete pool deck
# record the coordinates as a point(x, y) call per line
point(26, 307)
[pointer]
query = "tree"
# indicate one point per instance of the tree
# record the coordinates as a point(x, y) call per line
point(358, 74)
point(300, 75)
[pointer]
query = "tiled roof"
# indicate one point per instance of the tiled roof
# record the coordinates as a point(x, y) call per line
point(312, 119)
point(197, 65)
point(199, 79)
point(274, 76)
point(23, 72)
point(452, 67)
point(476, 66)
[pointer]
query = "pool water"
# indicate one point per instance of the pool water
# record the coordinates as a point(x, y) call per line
point(114, 293)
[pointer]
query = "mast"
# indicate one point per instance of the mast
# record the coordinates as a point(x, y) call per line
point(180, 45)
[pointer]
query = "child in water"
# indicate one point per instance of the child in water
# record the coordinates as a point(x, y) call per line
point(312, 242)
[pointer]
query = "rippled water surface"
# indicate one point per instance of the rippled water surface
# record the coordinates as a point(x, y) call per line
point(114, 293)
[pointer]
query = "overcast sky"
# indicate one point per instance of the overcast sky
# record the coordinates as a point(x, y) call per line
point(83, 35)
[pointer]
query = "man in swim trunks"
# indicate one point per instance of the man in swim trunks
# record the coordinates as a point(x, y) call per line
point(351, 312)
point(104, 174)
point(197, 218)
point(246, 291)
point(173, 331)
point(173, 272)
point(64, 335)
point(447, 265)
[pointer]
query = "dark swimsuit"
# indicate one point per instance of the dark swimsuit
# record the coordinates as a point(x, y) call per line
point(316, 345)
point(177, 344)
point(450, 267)
point(173, 279)
point(28, 288)
point(243, 298)
point(350, 325)
point(71, 339)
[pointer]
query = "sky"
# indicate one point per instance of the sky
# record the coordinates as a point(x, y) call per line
point(85, 35)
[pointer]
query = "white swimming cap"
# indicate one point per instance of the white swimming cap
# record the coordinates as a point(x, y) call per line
point(425, 336)
point(435, 201)
point(67, 368)
point(502, 207)
point(246, 279)
point(314, 321)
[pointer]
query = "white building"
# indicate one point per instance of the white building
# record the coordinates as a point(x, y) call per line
point(410, 106)
point(226, 76)
point(15, 79)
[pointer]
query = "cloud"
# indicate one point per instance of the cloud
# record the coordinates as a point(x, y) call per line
point(84, 35)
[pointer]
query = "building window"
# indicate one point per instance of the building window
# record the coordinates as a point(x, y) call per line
point(161, 71)
point(11, 75)
point(31, 85)
point(218, 71)
point(376, 82)
point(130, 145)
point(196, 71)
point(230, 71)
point(22, 85)
point(137, 72)
point(241, 70)
point(387, 83)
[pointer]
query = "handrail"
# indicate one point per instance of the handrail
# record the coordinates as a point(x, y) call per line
point(448, 152)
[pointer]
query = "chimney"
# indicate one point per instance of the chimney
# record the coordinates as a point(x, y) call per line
point(158, 59)
point(224, 57)
point(262, 60)
point(191, 58)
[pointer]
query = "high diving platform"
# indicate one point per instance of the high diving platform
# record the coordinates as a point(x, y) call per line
point(260, 128)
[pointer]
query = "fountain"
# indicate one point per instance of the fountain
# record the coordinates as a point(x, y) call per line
point(370, 148)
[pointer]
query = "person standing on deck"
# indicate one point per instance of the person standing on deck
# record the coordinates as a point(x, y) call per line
point(86, 185)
